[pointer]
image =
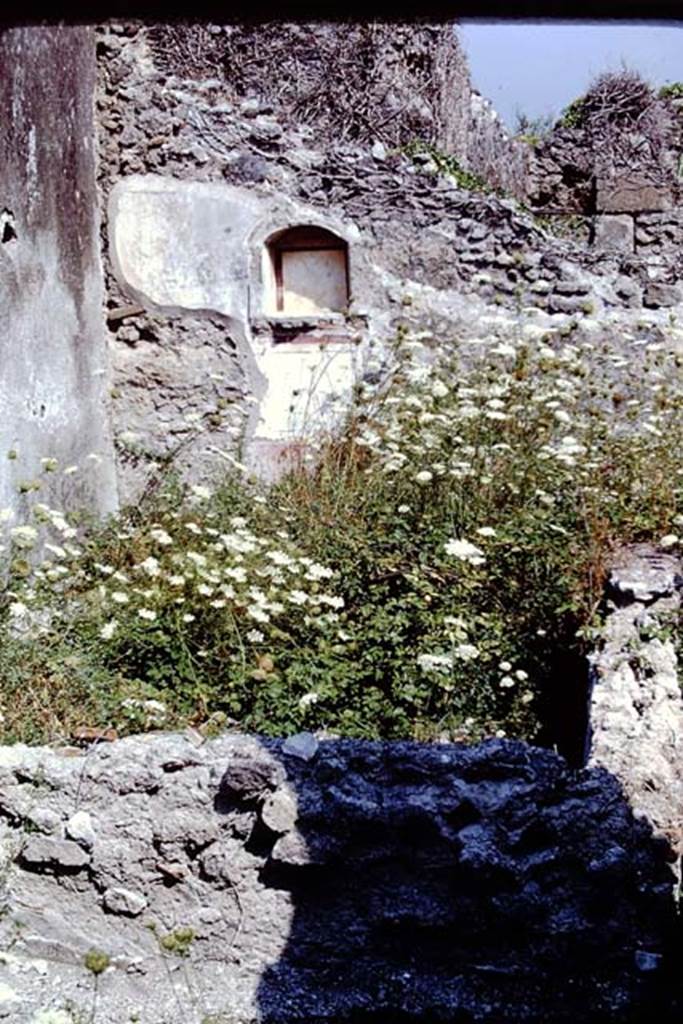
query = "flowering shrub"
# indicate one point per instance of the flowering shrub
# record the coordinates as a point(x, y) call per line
point(471, 509)
point(429, 578)
point(180, 598)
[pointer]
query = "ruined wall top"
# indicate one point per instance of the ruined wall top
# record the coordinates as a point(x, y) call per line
point(360, 82)
point(615, 150)
point(267, 882)
point(356, 81)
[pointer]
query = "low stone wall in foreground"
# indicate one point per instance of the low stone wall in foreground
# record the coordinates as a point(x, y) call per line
point(242, 880)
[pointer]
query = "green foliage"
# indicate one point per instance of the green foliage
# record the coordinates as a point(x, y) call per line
point(447, 165)
point(426, 579)
point(614, 99)
point(573, 116)
point(178, 942)
point(671, 91)
point(96, 961)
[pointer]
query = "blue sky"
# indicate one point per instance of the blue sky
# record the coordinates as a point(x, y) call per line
point(539, 67)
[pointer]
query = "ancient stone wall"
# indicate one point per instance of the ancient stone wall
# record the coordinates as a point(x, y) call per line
point(354, 81)
point(417, 225)
point(363, 82)
point(54, 380)
point(636, 696)
point(173, 880)
point(489, 151)
point(241, 126)
point(623, 183)
point(435, 254)
point(422, 250)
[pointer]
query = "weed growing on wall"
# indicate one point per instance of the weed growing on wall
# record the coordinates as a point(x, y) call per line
point(573, 114)
point(671, 91)
point(446, 164)
point(427, 578)
point(532, 130)
point(565, 225)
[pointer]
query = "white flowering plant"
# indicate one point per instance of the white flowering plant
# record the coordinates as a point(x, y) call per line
point(436, 574)
point(175, 602)
point(471, 511)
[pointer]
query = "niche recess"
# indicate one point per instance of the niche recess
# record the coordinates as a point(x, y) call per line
point(309, 273)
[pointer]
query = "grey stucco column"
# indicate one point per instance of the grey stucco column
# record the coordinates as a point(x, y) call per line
point(54, 369)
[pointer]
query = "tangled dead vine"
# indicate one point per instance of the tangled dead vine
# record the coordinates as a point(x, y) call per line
point(626, 125)
point(355, 81)
point(619, 98)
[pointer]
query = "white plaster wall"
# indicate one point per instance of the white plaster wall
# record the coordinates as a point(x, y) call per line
point(309, 383)
point(53, 376)
point(188, 246)
point(314, 281)
point(180, 245)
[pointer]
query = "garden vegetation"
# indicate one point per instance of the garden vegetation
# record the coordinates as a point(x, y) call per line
point(425, 576)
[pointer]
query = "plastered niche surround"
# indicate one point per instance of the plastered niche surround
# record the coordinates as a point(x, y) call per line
point(186, 247)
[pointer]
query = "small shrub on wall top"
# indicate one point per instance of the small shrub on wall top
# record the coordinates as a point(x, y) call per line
point(614, 97)
point(573, 115)
point(533, 130)
point(425, 579)
point(672, 91)
point(446, 165)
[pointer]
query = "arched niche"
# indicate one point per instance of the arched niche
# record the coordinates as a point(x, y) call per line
point(308, 272)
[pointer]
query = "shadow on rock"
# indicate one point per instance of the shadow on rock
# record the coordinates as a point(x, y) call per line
point(460, 884)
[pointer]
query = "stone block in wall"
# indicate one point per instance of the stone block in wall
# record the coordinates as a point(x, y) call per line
point(629, 292)
point(574, 288)
point(614, 231)
point(626, 195)
point(660, 231)
point(659, 294)
point(567, 303)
